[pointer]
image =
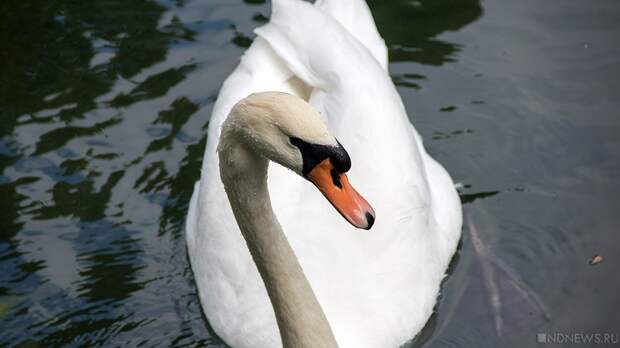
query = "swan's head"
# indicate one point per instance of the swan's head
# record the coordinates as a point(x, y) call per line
point(289, 131)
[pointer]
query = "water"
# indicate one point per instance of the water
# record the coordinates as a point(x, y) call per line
point(104, 107)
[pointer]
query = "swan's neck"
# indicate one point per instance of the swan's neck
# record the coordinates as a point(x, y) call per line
point(300, 318)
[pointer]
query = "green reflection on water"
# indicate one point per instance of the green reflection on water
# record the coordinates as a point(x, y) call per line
point(49, 47)
point(410, 28)
point(57, 60)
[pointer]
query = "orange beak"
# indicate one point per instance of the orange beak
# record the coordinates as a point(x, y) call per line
point(336, 188)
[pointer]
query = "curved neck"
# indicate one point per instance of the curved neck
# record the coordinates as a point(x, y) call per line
point(300, 318)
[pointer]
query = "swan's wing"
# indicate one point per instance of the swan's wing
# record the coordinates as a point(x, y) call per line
point(307, 40)
point(355, 16)
point(261, 69)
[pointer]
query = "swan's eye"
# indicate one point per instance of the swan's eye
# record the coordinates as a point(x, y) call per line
point(313, 154)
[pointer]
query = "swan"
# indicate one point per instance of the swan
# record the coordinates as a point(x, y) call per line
point(314, 74)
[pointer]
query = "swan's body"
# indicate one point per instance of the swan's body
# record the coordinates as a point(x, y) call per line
point(376, 288)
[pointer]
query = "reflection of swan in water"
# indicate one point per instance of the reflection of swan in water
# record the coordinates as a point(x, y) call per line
point(492, 267)
point(485, 290)
point(376, 288)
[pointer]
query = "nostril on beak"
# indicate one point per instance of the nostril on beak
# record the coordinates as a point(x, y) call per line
point(370, 220)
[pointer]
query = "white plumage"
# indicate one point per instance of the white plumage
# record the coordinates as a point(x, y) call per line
point(378, 287)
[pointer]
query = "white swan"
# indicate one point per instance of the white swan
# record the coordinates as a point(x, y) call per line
point(377, 288)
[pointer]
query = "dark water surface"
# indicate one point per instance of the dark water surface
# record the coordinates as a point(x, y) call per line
point(103, 113)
